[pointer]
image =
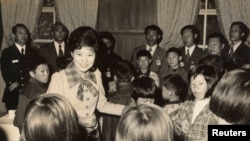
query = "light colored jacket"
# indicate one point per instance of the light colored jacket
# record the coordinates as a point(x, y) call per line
point(59, 85)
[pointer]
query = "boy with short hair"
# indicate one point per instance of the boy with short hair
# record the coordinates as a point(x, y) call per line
point(124, 72)
point(144, 60)
point(174, 60)
point(153, 35)
point(174, 92)
point(37, 85)
point(144, 90)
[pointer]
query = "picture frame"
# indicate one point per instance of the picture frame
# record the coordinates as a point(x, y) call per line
point(43, 28)
point(48, 3)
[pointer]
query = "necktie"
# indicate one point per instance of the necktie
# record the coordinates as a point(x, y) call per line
point(188, 54)
point(231, 51)
point(60, 50)
point(22, 51)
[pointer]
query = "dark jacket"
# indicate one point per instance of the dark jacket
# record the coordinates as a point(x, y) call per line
point(241, 54)
point(159, 54)
point(15, 73)
point(32, 89)
point(197, 54)
point(48, 51)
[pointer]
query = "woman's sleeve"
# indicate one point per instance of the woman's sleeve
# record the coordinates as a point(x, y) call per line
point(103, 105)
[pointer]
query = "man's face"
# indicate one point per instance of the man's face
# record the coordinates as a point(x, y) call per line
point(235, 33)
point(152, 37)
point(143, 62)
point(214, 46)
point(108, 44)
point(188, 37)
point(21, 36)
point(59, 34)
point(173, 60)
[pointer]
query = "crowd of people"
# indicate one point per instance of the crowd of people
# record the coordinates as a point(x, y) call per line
point(77, 88)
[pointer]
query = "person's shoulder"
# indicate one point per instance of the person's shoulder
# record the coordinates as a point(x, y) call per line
point(245, 47)
point(116, 56)
point(59, 74)
point(8, 49)
point(97, 72)
point(182, 49)
point(160, 48)
point(153, 73)
point(140, 47)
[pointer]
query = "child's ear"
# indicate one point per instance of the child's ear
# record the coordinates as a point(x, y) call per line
point(222, 46)
point(150, 61)
point(159, 37)
point(242, 34)
point(32, 74)
point(180, 58)
point(71, 53)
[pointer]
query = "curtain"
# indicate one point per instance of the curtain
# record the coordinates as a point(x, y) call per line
point(172, 15)
point(19, 11)
point(230, 11)
point(75, 13)
point(126, 20)
point(126, 15)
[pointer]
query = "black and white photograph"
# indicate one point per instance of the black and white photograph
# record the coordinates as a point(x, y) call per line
point(124, 70)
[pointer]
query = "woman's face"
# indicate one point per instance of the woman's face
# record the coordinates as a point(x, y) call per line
point(198, 86)
point(84, 58)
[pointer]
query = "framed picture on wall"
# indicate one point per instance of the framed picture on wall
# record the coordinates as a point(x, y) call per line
point(43, 28)
point(48, 3)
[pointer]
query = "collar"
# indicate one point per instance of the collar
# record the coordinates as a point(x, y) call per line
point(20, 47)
point(74, 78)
point(235, 46)
point(191, 49)
point(56, 44)
point(153, 48)
point(174, 102)
point(140, 74)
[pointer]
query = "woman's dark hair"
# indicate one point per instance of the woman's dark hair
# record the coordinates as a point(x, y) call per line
point(124, 71)
point(210, 74)
point(143, 87)
point(83, 36)
point(231, 96)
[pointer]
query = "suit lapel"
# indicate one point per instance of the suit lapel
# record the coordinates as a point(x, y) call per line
point(16, 51)
point(53, 49)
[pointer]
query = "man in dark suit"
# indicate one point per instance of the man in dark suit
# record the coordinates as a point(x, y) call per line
point(153, 37)
point(191, 53)
point(58, 48)
point(237, 52)
point(13, 64)
point(107, 59)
